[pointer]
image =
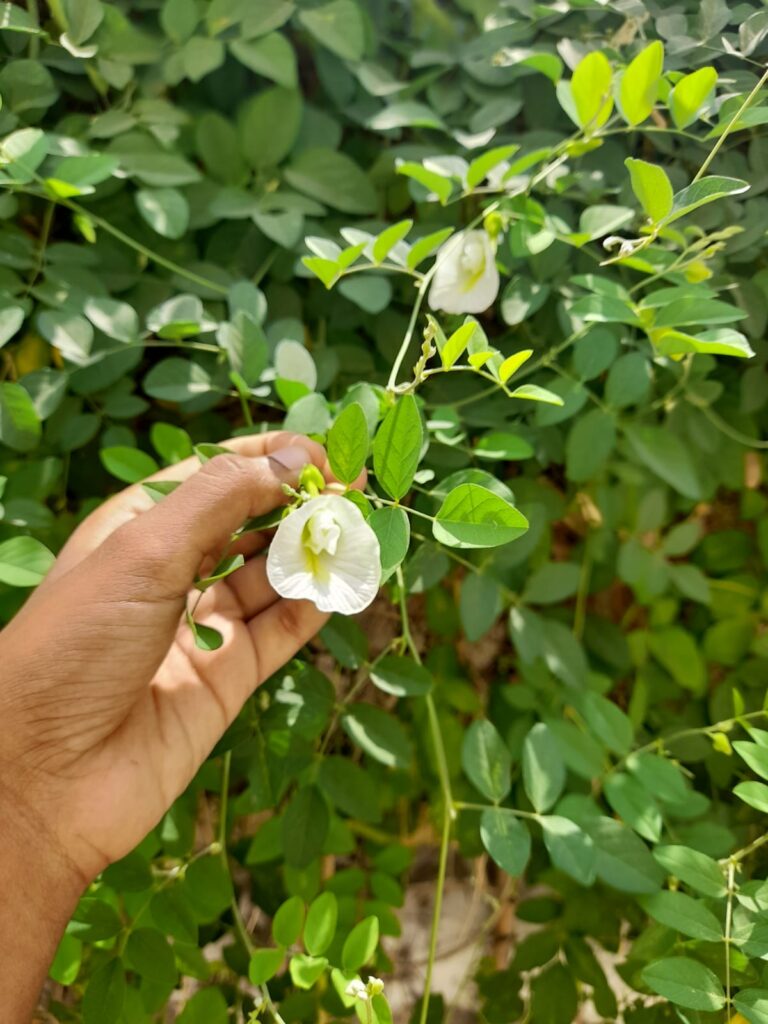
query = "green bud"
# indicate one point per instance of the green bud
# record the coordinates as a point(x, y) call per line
point(311, 480)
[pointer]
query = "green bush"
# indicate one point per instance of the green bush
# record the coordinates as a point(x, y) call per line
point(222, 216)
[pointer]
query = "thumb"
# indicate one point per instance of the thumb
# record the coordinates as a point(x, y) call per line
point(167, 544)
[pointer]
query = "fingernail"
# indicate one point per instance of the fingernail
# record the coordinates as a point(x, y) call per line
point(293, 458)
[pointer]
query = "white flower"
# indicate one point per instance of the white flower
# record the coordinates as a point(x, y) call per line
point(466, 279)
point(374, 987)
point(357, 989)
point(326, 552)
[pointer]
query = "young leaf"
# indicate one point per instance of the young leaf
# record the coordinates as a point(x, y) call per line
point(305, 970)
point(389, 238)
point(591, 90)
point(288, 921)
point(474, 517)
point(652, 188)
point(456, 343)
point(326, 270)
point(426, 246)
point(482, 165)
point(264, 964)
point(360, 944)
point(128, 464)
point(320, 926)
point(689, 95)
point(348, 443)
point(397, 447)
point(24, 562)
point(534, 393)
point(513, 363)
point(441, 186)
point(640, 83)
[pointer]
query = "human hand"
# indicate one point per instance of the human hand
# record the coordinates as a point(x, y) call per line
point(107, 708)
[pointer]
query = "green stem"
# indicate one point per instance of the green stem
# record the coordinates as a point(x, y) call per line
point(433, 937)
point(392, 382)
point(730, 126)
point(728, 430)
point(728, 929)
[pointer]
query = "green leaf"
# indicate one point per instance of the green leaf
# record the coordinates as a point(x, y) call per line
point(543, 768)
point(722, 341)
point(572, 850)
point(320, 927)
point(689, 95)
point(20, 427)
point(666, 456)
point(506, 840)
point(681, 656)
point(607, 721)
point(552, 582)
point(753, 793)
point(634, 805)
point(105, 995)
point(24, 562)
point(703, 191)
point(456, 343)
point(371, 292)
point(401, 677)
point(149, 953)
point(693, 868)
point(652, 188)
point(305, 826)
point(393, 530)
point(176, 380)
point(591, 90)
point(71, 334)
point(264, 964)
point(755, 756)
point(305, 970)
point(272, 56)
point(486, 760)
point(206, 638)
point(379, 734)
point(164, 209)
point(11, 319)
point(623, 860)
point(82, 18)
point(640, 83)
point(471, 516)
point(207, 1006)
point(350, 788)
point(127, 464)
point(332, 178)
point(752, 1004)
point(482, 165)
point(427, 245)
point(685, 982)
point(590, 443)
point(534, 393)
point(117, 320)
point(348, 443)
point(397, 447)
point(684, 914)
point(269, 126)
point(389, 238)
point(337, 25)
point(360, 944)
point(434, 182)
point(288, 921)
point(512, 364)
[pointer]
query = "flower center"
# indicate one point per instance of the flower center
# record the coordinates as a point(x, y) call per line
point(322, 533)
point(472, 257)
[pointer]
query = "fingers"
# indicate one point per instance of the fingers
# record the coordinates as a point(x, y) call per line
point(252, 588)
point(167, 544)
point(281, 630)
point(134, 501)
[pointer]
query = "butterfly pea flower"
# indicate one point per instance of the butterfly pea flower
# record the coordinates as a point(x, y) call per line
point(466, 278)
point(325, 552)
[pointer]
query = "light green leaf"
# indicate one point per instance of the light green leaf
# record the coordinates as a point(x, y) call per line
point(753, 793)
point(640, 83)
point(11, 319)
point(591, 90)
point(117, 320)
point(474, 517)
point(264, 964)
point(71, 334)
point(20, 427)
point(437, 183)
point(425, 246)
point(24, 562)
point(305, 970)
point(128, 464)
point(689, 95)
point(703, 191)
point(360, 944)
point(534, 393)
point(457, 342)
point(652, 188)
point(320, 927)
point(288, 921)
point(481, 166)
point(388, 239)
